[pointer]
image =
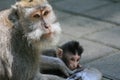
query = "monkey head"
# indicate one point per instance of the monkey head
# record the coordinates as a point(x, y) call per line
point(37, 21)
point(71, 60)
point(70, 54)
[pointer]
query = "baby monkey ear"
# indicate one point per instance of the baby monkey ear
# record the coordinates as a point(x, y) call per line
point(59, 53)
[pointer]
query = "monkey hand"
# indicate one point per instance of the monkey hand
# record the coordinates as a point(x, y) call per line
point(76, 76)
point(79, 69)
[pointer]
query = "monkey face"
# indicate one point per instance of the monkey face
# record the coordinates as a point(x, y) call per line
point(43, 23)
point(72, 61)
point(38, 22)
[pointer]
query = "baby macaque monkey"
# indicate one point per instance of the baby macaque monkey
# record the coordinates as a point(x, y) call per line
point(70, 53)
point(63, 61)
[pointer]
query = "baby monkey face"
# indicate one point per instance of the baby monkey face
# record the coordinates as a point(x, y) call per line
point(73, 61)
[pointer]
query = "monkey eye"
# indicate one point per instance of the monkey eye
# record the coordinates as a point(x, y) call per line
point(30, 0)
point(46, 13)
point(72, 59)
point(78, 60)
point(36, 16)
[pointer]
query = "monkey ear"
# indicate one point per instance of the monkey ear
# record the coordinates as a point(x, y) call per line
point(59, 53)
point(13, 16)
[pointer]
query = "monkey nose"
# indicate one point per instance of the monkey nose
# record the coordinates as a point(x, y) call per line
point(75, 65)
point(46, 26)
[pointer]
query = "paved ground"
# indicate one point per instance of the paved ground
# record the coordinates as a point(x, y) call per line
point(96, 25)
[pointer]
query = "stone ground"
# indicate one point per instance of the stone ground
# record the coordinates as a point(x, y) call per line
point(96, 25)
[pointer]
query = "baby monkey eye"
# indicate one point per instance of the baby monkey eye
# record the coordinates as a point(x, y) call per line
point(72, 59)
point(78, 60)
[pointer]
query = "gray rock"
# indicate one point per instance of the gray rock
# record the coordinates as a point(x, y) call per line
point(109, 13)
point(110, 37)
point(108, 65)
point(78, 6)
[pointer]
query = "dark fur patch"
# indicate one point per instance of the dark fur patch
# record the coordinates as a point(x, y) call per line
point(72, 47)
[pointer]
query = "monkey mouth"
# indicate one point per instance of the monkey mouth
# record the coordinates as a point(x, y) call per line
point(47, 35)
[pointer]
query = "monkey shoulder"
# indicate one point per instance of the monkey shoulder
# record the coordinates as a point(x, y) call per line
point(5, 23)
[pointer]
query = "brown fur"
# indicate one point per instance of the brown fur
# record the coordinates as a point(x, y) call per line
point(22, 38)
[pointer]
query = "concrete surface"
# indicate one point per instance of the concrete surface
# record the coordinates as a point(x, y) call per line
point(96, 25)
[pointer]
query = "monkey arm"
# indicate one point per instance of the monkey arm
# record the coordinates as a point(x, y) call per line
point(47, 63)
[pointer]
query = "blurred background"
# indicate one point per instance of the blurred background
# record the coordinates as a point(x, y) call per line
point(96, 25)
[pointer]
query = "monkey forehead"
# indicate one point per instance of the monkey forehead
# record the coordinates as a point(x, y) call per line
point(31, 10)
point(28, 3)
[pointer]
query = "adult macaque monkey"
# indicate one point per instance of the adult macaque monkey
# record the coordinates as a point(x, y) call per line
point(25, 29)
point(70, 53)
